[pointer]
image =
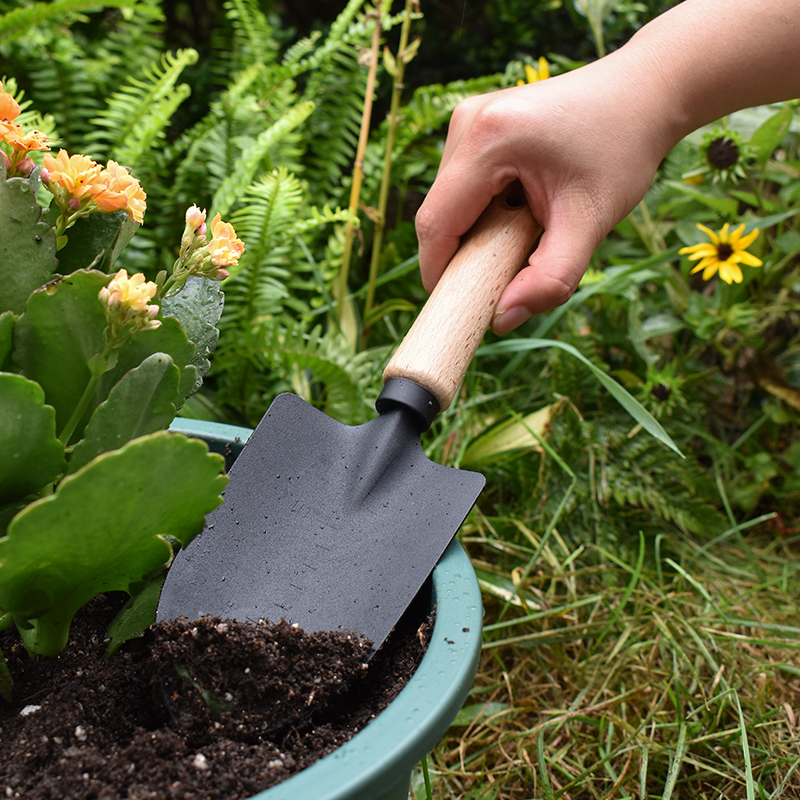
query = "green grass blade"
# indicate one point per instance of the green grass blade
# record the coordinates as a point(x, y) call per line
point(677, 762)
point(748, 766)
point(636, 410)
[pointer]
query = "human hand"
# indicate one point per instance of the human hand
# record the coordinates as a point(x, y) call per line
point(585, 146)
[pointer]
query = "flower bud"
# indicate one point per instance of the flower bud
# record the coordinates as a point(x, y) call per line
point(195, 221)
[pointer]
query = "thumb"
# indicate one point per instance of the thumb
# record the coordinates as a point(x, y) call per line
point(553, 273)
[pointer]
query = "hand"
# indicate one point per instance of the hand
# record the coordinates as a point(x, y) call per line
point(585, 146)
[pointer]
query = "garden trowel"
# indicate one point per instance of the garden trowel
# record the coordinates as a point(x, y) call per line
point(336, 527)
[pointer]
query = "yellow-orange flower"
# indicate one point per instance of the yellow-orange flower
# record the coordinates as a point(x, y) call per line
point(726, 250)
point(535, 74)
point(225, 248)
point(117, 189)
point(78, 174)
point(23, 142)
point(9, 107)
point(127, 300)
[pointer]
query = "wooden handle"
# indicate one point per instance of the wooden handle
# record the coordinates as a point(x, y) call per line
point(438, 349)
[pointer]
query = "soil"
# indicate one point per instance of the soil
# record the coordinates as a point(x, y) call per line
point(247, 707)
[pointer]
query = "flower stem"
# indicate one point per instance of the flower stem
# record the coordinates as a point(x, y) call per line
point(88, 393)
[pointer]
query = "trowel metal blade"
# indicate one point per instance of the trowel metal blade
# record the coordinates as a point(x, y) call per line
point(329, 526)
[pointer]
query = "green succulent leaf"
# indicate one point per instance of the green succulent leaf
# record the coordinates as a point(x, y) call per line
point(169, 338)
point(136, 616)
point(27, 245)
point(142, 402)
point(61, 329)
point(104, 530)
point(61, 332)
point(7, 321)
point(198, 307)
point(32, 455)
point(96, 241)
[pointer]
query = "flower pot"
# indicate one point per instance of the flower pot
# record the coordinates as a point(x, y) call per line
point(376, 764)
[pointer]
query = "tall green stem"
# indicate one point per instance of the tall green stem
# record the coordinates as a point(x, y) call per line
point(358, 166)
point(393, 122)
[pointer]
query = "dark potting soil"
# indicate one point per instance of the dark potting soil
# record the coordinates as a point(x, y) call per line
point(247, 707)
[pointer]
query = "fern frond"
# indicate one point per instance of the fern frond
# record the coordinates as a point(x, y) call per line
point(301, 49)
point(137, 110)
point(17, 22)
point(345, 383)
point(59, 85)
point(268, 215)
point(318, 217)
point(334, 40)
point(332, 133)
point(253, 39)
point(249, 162)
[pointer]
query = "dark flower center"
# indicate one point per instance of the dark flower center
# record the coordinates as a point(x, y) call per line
point(722, 153)
point(724, 251)
point(661, 392)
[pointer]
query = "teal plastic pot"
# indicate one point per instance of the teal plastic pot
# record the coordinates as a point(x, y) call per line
point(376, 763)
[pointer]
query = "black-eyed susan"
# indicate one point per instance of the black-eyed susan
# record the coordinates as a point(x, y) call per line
point(534, 74)
point(725, 156)
point(726, 250)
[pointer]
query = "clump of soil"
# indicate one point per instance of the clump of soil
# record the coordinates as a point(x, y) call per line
point(205, 709)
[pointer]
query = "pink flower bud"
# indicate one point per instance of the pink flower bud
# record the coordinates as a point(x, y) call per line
point(25, 167)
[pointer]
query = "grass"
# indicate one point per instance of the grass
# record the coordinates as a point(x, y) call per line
point(674, 673)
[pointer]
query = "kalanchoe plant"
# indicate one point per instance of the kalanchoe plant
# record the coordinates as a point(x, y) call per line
point(95, 493)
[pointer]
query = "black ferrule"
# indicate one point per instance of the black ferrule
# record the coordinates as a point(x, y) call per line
point(405, 394)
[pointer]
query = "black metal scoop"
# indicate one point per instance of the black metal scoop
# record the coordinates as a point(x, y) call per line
point(336, 527)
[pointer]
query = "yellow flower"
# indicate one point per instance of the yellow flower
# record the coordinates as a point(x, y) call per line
point(134, 293)
point(224, 247)
point(117, 189)
point(22, 142)
point(9, 107)
point(127, 302)
point(77, 174)
point(535, 74)
point(723, 253)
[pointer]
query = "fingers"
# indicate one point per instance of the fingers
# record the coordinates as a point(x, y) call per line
point(554, 272)
point(473, 170)
point(445, 216)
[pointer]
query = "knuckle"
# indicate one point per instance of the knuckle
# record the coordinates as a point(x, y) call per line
point(424, 222)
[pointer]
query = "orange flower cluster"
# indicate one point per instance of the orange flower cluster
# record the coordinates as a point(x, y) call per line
point(225, 248)
point(22, 143)
point(81, 186)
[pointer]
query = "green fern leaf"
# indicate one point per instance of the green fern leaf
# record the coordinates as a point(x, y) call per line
point(17, 22)
point(137, 110)
point(248, 163)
